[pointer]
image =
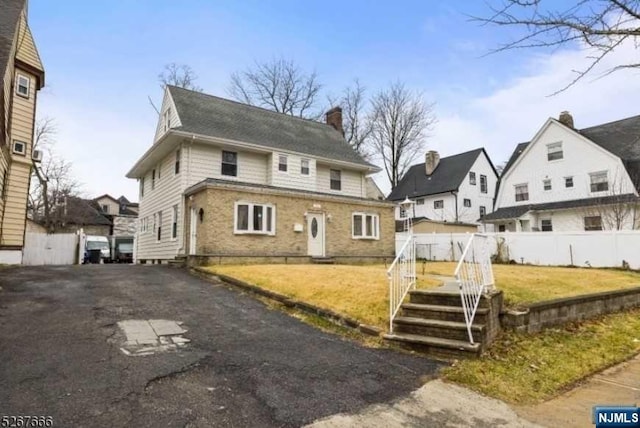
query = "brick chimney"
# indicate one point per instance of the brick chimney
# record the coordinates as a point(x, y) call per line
point(334, 118)
point(431, 161)
point(566, 119)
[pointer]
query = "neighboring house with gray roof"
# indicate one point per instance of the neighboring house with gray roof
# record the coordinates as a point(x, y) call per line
point(568, 179)
point(454, 189)
point(227, 179)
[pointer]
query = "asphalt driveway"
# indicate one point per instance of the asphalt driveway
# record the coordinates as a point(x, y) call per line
point(246, 365)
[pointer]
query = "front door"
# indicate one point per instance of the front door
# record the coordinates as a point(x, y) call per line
point(315, 230)
point(193, 224)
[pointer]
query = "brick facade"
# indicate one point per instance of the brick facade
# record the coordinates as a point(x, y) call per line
point(215, 233)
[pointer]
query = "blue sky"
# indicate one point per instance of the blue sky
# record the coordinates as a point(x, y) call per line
point(102, 61)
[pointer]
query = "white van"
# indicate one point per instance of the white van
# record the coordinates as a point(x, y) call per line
point(98, 243)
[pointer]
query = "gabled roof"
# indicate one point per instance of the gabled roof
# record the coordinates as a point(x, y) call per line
point(212, 116)
point(519, 210)
point(621, 138)
point(81, 212)
point(106, 195)
point(9, 16)
point(448, 176)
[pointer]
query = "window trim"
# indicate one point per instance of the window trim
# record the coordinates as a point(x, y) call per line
point(544, 185)
point(332, 181)
point(22, 152)
point(281, 164)
point(550, 224)
point(550, 153)
point(302, 167)
point(28, 85)
point(402, 212)
point(566, 180)
point(375, 226)
point(438, 204)
point(483, 211)
point(174, 222)
point(515, 189)
point(484, 184)
point(464, 203)
point(592, 174)
point(250, 230)
point(591, 229)
point(472, 178)
point(223, 163)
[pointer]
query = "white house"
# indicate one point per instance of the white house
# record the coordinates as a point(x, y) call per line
point(226, 179)
point(454, 189)
point(568, 179)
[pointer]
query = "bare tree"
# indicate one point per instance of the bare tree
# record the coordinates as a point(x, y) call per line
point(617, 207)
point(601, 25)
point(357, 129)
point(400, 121)
point(500, 168)
point(53, 182)
point(278, 85)
point(180, 75)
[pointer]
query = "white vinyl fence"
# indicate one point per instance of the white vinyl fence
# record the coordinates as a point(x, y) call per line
point(596, 249)
point(52, 249)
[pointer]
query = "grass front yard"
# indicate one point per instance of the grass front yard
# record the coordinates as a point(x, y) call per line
point(357, 291)
point(519, 368)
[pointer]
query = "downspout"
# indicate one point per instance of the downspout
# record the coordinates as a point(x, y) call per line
point(455, 195)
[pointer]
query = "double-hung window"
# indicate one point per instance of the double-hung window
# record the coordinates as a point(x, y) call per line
point(554, 152)
point(365, 226)
point(22, 85)
point(176, 166)
point(483, 184)
point(472, 178)
point(522, 192)
point(304, 167)
point(229, 163)
point(599, 182)
point(255, 218)
point(174, 222)
point(546, 225)
point(282, 163)
point(153, 179)
point(335, 179)
point(546, 184)
point(593, 223)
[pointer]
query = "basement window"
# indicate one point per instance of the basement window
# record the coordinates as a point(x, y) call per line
point(365, 226)
point(254, 218)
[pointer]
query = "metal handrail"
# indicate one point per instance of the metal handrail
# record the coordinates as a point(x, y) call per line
point(402, 277)
point(474, 275)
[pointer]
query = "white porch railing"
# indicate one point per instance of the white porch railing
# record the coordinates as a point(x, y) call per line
point(402, 277)
point(474, 275)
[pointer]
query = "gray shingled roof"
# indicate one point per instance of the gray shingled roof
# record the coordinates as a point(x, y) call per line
point(9, 16)
point(517, 211)
point(218, 117)
point(622, 138)
point(448, 176)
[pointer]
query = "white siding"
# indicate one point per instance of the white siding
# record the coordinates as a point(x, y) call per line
point(206, 162)
point(167, 103)
point(353, 183)
point(167, 193)
point(447, 213)
point(580, 158)
point(468, 191)
point(292, 178)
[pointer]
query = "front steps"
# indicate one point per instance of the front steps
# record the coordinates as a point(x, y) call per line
point(433, 322)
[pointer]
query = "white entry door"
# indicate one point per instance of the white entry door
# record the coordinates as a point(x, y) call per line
point(193, 225)
point(315, 231)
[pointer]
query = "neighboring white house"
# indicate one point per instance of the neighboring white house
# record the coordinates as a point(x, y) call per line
point(568, 179)
point(455, 189)
point(228, 179)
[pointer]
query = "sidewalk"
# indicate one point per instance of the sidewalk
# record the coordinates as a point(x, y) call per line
point(618, 385)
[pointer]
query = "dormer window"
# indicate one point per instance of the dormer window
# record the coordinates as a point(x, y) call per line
point(554, 152)
point(22, 85)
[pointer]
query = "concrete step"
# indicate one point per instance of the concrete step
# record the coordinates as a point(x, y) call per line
point(444, 313)
point(436, 346)
point(439, 298)
point(437, 328)
point(323, 260)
